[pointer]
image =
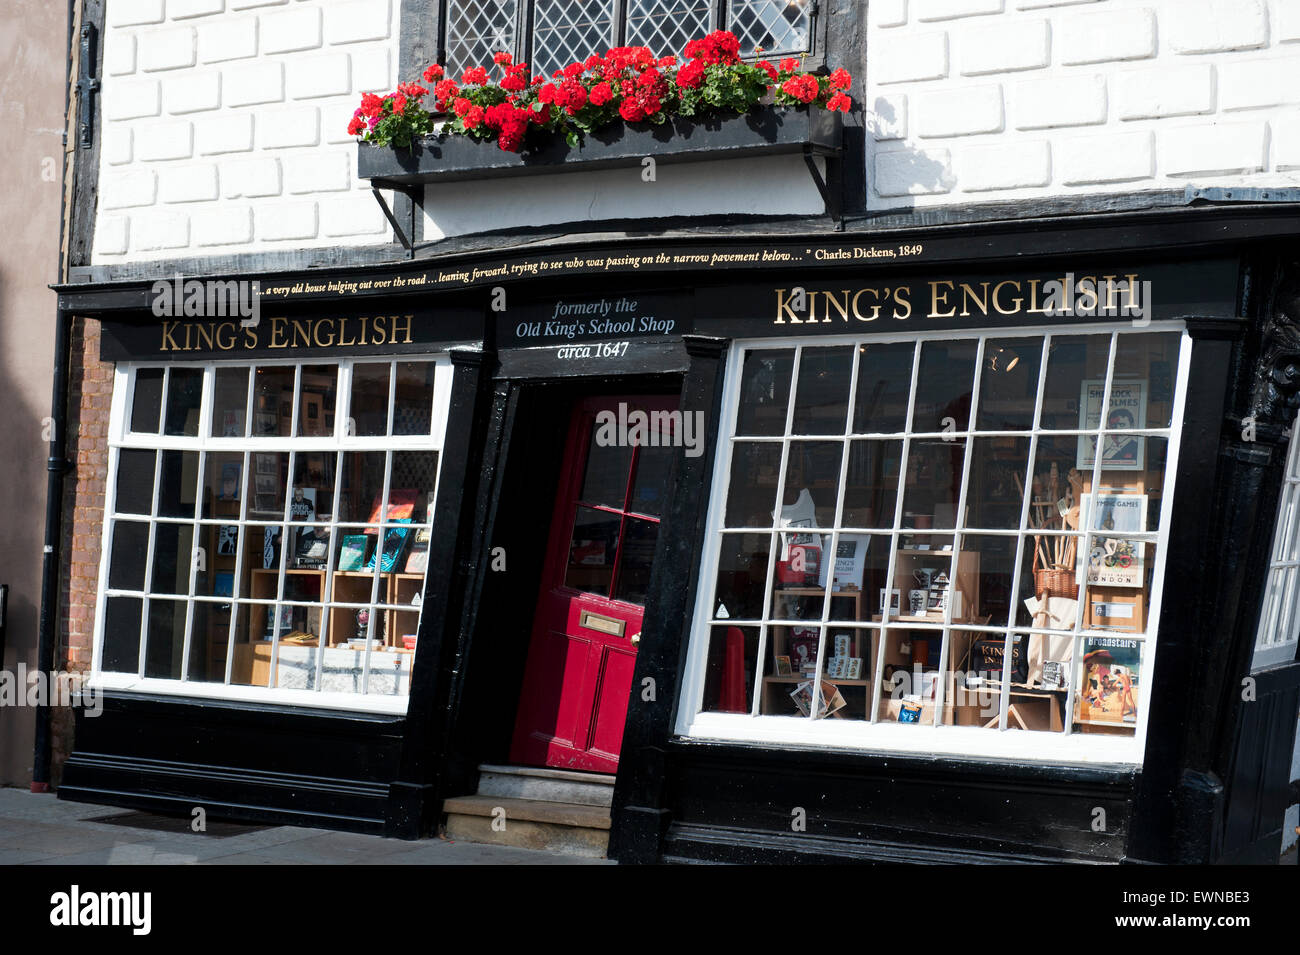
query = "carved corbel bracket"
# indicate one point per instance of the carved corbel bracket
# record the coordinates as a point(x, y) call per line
point(1275, 391)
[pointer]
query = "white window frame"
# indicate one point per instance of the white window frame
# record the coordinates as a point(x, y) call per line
point(1279, 618)
point(120, 438)
point(882, 735)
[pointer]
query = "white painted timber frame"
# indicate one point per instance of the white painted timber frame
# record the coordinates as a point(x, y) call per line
point(1279, 620)
point(120, 438)
point(882, 735)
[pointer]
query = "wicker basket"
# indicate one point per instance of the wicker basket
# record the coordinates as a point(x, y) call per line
point(1054, 581)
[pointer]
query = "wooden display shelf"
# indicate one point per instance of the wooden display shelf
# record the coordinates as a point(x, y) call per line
point(402, 588)
point(354, 587)
point(910, 618)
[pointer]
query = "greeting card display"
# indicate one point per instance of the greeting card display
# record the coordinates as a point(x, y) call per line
point(829, 699)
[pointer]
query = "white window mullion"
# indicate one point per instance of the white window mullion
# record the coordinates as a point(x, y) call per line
point(149, 554)
point(829, 556)
point(775, 540)
point(895, 537)
point(958, 525)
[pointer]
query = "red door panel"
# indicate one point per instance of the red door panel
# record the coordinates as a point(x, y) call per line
point(582, 653)
point(611, 701)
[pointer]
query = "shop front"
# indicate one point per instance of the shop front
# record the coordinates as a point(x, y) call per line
point(821, 549)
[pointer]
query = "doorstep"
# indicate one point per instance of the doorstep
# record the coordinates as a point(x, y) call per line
point(529, 808)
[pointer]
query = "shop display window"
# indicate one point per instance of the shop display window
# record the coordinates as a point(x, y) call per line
point(268, 526)
point(915, 544)
point(1279, 620)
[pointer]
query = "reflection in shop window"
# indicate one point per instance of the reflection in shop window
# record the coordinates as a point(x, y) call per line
point(923, 533)
point(289, 565)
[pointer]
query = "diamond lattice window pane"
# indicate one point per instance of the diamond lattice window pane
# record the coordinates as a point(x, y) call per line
point(568, 30)
point(665, 26)
point(778, 26)
point(476, 29)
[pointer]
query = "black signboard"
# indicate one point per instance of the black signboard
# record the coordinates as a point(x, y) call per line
point(381, 331)
point(1117, 294)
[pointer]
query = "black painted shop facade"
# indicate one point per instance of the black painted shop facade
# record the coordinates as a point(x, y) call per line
point(1210, 783)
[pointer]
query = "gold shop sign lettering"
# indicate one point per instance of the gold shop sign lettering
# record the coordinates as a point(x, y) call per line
point(1113, 295)
point(281, 332)
point(390, 331)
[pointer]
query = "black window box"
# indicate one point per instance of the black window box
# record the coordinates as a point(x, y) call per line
point(765, 131)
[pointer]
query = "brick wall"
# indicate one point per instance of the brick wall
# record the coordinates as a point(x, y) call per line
point(979, 100)
point(224, 125)
point(89, 400)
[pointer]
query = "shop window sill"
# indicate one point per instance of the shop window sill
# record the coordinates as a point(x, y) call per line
point(766, 131)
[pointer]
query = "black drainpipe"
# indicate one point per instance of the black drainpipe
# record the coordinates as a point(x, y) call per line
point(56, 466)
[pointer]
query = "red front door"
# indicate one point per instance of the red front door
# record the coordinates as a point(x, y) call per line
point(587, 623)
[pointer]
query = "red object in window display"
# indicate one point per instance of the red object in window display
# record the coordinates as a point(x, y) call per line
point(731, 696)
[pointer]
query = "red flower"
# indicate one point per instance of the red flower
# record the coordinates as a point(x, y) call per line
point(666, 61)
point(461, 106)
point(601, 94)
point(356, 125)
point(502, 59)
point(593, 61)
point(574, 70)
point(413, 90)
point(443, 92)
point(511, 123)
point(476, 75)
point(371, 105)
point(840, 79)
point(433, 73)
point(839, 102)
point(547, 93)
point(803, 88)
point(514, 83)
point(399, 102)
point(691, 75)
point(789, 65)
point(631, 110)
point(473, 117)
point(768, 68)
point(542, 113)
point(572, 95)
point(718, 47)
point(648, 78)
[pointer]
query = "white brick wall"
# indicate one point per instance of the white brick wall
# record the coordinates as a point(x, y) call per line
point(996, 100)
point(224, 125)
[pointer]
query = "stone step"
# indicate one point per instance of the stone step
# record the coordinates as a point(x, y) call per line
point(532, 810)
point(523, 834)
point(547, 785)
point(529, 824)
